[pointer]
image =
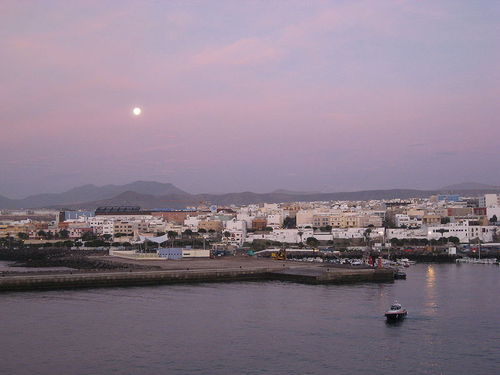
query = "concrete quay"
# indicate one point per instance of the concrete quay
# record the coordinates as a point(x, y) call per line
point(333, 275)
point(173, 272)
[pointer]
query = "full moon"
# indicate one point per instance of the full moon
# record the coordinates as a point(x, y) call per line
point(137, 111)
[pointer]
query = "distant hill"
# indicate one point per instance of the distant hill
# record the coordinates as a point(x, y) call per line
point(470, 186)
point(88, 193)
point(149, 194)
point(291, 192)
point(180, 201)
point(6, 202)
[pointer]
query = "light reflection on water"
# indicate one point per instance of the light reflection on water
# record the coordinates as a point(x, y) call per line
point(431, 304)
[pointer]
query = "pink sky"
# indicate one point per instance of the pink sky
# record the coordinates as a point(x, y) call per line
point(255, 95)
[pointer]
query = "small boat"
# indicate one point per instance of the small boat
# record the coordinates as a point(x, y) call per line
point(399, 275)
point(395, 313)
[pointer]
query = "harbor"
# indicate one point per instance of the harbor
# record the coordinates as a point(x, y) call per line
point(231, 325)
point(193, 271)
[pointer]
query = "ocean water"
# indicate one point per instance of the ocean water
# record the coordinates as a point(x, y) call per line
point(453, 327)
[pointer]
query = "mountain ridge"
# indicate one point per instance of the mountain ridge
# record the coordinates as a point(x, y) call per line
point(89, 192)
point(174, 201)
point(151, 194)
point(469, 185)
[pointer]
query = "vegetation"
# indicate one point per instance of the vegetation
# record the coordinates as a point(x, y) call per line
point(64, 233)
point(313, 242)
point(290, 222)
point(22, 236)
point(424, 241)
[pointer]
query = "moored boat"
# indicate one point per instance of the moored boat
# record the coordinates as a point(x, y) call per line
point(395, 313)
point(399, 275)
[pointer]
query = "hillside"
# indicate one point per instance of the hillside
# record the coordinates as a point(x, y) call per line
point(89, 193)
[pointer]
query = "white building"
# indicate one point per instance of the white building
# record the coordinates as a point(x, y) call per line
point(463, 231)
point(404, 220)
point(238, 231)
point(282, 235)
point(489, 200)
point(275, 220)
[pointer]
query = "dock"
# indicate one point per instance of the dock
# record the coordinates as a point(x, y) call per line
point(176, 272)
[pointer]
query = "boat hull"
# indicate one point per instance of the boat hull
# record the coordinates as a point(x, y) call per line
point(396, 316)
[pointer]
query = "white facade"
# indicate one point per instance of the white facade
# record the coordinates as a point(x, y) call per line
point(282, 235)
point(192, 222)
point(275, 221)
point(404, 220)
point(493, 211)
point(489, 200)
point(463, 231)
point(238, 230)
point(405, 233)
point(305, 218)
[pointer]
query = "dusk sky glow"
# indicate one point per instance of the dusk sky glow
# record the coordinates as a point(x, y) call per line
point(249, 95)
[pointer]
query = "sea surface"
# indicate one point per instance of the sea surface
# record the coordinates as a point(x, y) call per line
point(453, 327)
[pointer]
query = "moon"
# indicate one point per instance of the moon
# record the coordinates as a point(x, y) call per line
point(137, 111)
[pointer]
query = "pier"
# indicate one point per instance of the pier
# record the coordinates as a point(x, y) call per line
point(174, 272)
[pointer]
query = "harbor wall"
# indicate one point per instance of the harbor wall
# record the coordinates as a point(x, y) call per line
point(138, 278)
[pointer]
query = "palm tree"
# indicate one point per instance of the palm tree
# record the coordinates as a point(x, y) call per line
point(171, 235)
point(300, 235)
point(188, 233)
point(366, 235)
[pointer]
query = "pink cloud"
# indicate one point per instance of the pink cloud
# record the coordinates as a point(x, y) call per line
point(248, 51)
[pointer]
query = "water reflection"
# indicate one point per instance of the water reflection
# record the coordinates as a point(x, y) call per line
point(431, 303)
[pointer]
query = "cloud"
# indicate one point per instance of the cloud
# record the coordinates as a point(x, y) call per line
point(247, 51)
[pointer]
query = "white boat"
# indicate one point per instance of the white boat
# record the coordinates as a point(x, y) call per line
point(395, 313)
point(476, 261)
point(405, 262)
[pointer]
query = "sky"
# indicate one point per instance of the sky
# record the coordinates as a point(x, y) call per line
point(249, 95)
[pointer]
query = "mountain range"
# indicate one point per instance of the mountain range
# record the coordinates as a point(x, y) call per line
point(151, 194)
point(470, 186)
point(88, 193)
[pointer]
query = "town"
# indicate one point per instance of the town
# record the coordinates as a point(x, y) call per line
point(438, 223)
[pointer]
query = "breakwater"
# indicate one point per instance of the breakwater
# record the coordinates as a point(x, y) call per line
point(313, 275)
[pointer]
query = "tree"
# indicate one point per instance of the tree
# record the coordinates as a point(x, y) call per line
point(442, 231)
point(89, 236)
point(41, 233)
point(396, 242)
point(202, 230)
point(188, 233)
point(22, 236)
point(64, 233)
point(107, 236)
point(171, 236)
point(268, 229)
point(289, 222)
point(227, 234)
point(160, 233)
point(366, 235)
point(493, 219)
point(313, 242)
point(326, 228)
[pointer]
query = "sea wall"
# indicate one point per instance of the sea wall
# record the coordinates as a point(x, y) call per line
point(138, 278)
